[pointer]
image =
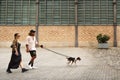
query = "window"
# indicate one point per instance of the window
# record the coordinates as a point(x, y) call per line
point(3, 12)
point(118, 12)
point(17, 12)
point(95, 12)
point(56, 12)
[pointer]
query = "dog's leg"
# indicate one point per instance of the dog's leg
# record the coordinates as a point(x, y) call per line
point(72, 62)
point(75, 61)
point(69, 62)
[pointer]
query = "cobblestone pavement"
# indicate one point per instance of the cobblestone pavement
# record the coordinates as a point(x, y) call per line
point(96, 64)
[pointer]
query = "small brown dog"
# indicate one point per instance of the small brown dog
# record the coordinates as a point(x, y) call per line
point(73, 60)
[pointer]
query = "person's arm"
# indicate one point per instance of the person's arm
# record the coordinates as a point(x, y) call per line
point(36, 43)
point(15, 47)
point(27, 46)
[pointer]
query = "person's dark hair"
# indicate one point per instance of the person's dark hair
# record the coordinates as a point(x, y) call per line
point(15, 35)
point(29, 34)
point(31, 31)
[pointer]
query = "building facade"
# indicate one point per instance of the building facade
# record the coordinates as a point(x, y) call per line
point(60, 22)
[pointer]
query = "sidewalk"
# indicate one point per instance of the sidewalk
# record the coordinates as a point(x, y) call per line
point(96, 64)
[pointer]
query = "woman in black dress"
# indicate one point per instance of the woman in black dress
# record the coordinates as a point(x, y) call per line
point(16, 59)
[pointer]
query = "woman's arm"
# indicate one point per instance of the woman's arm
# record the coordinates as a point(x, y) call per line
point(15, 47)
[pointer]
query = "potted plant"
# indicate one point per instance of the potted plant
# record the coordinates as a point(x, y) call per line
point(102, 41)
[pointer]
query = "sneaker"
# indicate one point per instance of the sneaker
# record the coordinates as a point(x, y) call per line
point(9, 71)
point(34, 67)
point(30, 66)
point(24, 70)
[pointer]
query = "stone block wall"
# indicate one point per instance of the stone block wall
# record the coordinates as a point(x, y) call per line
point(58, 36)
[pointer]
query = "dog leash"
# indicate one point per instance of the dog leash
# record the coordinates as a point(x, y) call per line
point(54, 51)
point(68, 57)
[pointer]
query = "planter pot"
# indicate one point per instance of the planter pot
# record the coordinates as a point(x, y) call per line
point(103, 45)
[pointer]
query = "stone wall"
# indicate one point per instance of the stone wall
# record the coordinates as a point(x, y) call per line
point(58, 36)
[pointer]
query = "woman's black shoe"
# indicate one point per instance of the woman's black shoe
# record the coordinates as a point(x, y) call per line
point(9, 71)
point(24, 70)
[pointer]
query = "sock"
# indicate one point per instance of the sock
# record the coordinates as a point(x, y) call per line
point(8, 67)
point(29, 62)
point(32, 64)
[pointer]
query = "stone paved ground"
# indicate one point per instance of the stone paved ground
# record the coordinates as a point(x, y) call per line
point(96, 64)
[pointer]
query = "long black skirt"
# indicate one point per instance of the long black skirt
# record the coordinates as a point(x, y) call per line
point(15, 61)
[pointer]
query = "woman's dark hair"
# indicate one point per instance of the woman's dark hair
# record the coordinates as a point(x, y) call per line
point(15, 35)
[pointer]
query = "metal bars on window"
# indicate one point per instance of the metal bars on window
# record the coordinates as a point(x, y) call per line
point(95, 12)
point(17, 12)
point(58, 12)
point(118, 12)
